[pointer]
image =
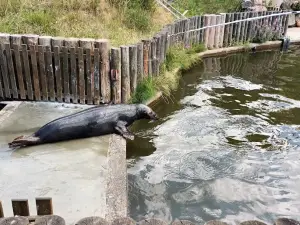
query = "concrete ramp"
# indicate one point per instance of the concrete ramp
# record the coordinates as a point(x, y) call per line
point(85, 177)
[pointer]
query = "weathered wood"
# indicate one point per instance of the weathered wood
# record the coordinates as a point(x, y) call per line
point(4, 71)
point(1, 211)
point(125, 79)
point(231, 30)
point(50, 220)
point(27, 72)
point(11, 72)
point(201, 24)
point(286, 221)
point(226, 30)
point(66, 77)
point(139, 70)
point(73, 77)
point(44, 40)
point(158, 39)
point(212, 32)
point(206, 30)
point(20, 220)
point(222, 29)
point(71, 42)
point(93, 220)
point(182, 222)
point(217, 31)
point(30, 39)
point(249, 222)
point(4, 38)
point(162, 47)
point(57, 42)
point(42, 72)
point(285, 25)
point(152, 222)
point(18, 64)
point(215, 222)
point(243, 25)
point(123, 221)
point(115, 75)
point(250, 27)
point(146, 49)
point(186, 34)
point(57, 73)
point(50, 75)
point(20, 207)
point(153, 57)
point(35, 72)
point(15, 39)
point(133, 67)
point(97, 84)
point(105, 81)
point(88, 75)
point(44, 206)
point(81, 82)
point(239, 28)
point(247, 14)
point(87, 43)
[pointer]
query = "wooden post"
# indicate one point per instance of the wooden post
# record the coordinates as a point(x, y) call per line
point(153, 57)
point(4, 39)
point(285, 25)
point(1, 210)
point(35, 73)
point(231, 30)
point(146, 50)
point(243, 26)
point(222, 29)
point(133, 67)
point(11, 71)
point(20, 207)
point(57, 43)
point(140, 70)
point(250, 27)
point(217, 31)
point(207, 36)
point(115, 75)
point(15, 39)
point(162, 47)
point(30, 39)
point(125, 79)
point(212, 32)
point(201, 32)
point(246, 27)
point(44, 206)
point(27, 72)
point(105, 89)
point(186, 30)
point(226, 31)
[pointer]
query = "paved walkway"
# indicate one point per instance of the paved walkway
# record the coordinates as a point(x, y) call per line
point(294, 33)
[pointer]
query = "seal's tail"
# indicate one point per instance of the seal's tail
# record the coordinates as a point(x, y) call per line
point(23, 141)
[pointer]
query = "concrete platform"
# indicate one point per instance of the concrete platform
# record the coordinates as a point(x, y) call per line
point(78, 175)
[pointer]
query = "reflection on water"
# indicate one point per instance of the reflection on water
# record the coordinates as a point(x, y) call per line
point(227, 146)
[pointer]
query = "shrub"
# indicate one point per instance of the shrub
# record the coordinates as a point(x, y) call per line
point(138, 19)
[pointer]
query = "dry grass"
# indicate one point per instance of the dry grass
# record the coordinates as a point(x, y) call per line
point(77, 18)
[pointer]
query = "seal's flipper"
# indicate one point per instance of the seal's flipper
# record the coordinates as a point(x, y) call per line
point(123, 131)
point(24, 141)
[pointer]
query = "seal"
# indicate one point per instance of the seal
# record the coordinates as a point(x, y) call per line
point(91, 122)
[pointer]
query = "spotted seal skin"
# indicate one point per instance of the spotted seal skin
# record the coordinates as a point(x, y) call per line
point(95, 121)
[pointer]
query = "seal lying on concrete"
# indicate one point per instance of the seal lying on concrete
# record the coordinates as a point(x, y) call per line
point(95, 121)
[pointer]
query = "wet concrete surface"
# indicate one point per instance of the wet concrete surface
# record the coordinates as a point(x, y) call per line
point(294, 33)
point(73, 173)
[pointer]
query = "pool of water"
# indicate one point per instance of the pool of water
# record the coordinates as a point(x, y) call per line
point(227, 146)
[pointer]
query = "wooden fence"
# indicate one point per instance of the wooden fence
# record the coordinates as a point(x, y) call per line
point(90, 71)
point(45, 217)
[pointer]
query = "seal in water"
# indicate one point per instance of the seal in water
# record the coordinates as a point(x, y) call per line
point(95, 121)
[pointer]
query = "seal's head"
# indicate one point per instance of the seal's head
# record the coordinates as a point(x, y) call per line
point(146, 112)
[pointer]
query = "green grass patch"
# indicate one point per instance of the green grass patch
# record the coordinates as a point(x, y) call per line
point(177, 58)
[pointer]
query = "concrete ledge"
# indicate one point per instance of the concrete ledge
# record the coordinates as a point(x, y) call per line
point(8, 109)
point(116, 187)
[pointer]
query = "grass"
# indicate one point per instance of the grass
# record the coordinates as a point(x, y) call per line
point(177, 57)
point(199, 7)
point(126, 24)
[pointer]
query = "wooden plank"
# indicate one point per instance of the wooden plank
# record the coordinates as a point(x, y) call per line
point(153, 57)
point(57, 73)
point(30, 39)
point(88, 72)
point(20, 207)
point(125, 79)
point(50, 74)
point(11, 72)
point(222, 29)
point(115, 77)
point(66, 76)
point(15, 39)
point(201, 24)
point(133, 67)
point(97, 83)
point(105, 88)
point(217, 31)
point(35, 73)
point(4, 72)
point(212, 32)
point(239, 27)
point(18, 64)
point(162, 45)
point(44, 40)
point(81, 82)
point(1, 210)
point(243, 24)
point(246, 27)
point(139, 62)
point(250, 27)
point(146, 49)
point(49, 220)
point(44, 206)
point(73, 76)
point(27, 72)
point(207, 19)
point(42, 71)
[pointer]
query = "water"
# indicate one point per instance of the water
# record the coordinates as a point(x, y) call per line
point(228, 144)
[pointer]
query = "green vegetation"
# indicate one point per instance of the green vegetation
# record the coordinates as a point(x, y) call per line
point(123, 22)
point(177, 57)
point(199, 7)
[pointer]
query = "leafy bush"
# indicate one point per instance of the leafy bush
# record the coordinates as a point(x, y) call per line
point(267, 33)
point(138, 19)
